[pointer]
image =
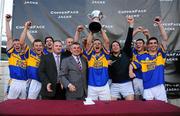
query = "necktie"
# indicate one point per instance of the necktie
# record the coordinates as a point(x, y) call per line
point(79, 63)
point(57, 63)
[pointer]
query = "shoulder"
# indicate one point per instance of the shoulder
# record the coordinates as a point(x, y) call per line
point(67, 59)
point(47, 56)
point(143, 56)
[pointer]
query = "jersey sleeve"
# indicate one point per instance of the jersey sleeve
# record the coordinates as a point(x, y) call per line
point(87, 54)
point(162, 51)
point(107, 53)
point(10, 51)
point(136, 65)
point(27, 52)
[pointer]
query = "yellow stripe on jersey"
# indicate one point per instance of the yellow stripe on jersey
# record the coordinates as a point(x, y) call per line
point(15, 60)
point(11, 50)
point(148, 65)
point(33, 61)
point(90, 50)
point(134, 66)
point(105, 51)
point(160, 60)
point(101, 62)
point(134, 57)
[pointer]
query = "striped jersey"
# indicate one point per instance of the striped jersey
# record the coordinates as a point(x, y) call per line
point(152, 68)
point(97, 67)
point(33, 61)
point(17, 64)
point(45, 51)
point(137, 72)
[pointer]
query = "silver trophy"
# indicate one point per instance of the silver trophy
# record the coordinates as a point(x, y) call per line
point(95, 17)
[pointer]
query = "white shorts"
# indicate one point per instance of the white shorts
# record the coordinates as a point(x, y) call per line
point(138, 86)
point(17, 89)
point(158, 93)
point(124, 89)
point(101, 93)
point(34, 89)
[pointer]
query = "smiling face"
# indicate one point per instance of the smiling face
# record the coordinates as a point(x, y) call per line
point(38, 47)
point(116, 47)
point(49, 43)
point(97, 46)
point(139, 45)
point(75, 49)
point(17, 45)
point(152, 44)
point(57, 46)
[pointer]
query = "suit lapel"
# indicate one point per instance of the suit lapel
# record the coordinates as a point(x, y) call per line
point(73, 61)
point(83, 63)
point(52, 60)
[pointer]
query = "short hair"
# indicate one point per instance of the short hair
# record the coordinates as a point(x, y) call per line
point(115, 41)
point(48, 38)
point(75, 43)
point(140, 40)
point(36, 40)
point(96, 40)
point(69, 37)
point(58, 41)
point(15, 40)
point(152, 38)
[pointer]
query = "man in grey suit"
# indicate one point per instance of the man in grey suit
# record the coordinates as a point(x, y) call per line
point(73, 74)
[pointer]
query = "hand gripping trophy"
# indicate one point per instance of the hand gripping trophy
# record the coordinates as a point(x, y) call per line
point(95, 17)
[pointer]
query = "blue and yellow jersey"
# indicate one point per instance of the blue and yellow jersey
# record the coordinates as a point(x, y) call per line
point(17, 64)
point(137, 72)
point(152, 68)
point(97, 67)
point(33, 61)
point(45, 51)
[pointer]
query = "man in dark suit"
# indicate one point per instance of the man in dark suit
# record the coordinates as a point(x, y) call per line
point(73, 74)
point(48, 72)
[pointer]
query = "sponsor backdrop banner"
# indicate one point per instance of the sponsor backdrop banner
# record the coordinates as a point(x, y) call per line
point(59, 19)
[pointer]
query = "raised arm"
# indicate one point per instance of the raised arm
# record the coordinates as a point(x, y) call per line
point(128, 42)
point(30, 37)
point(24, 32)
point(142, 30)
point(8, 32)
point(146, 33)
point(79, 29)
point(163, 33)
point(105, 39)
point(89, 41)
point(137, 30)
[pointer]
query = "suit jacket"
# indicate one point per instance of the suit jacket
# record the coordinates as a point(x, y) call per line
point(48, 74)
point(70, 73)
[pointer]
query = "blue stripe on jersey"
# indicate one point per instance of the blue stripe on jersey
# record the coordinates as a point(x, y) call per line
point(17, 72)
point(152, 68)
point(153, 77)
point(17, 64)
point(97, 77)
point(45, 51)
point(97, 67)
point(33, 61)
